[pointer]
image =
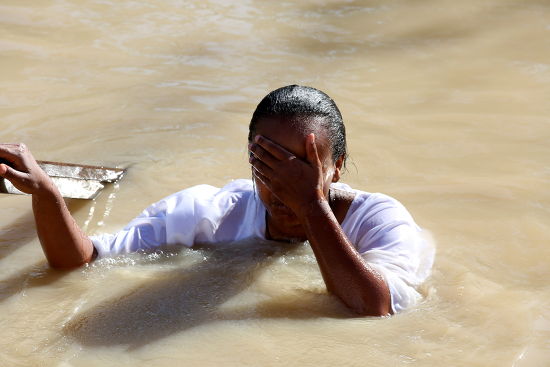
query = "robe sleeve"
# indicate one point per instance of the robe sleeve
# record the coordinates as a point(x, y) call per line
point(176, 219)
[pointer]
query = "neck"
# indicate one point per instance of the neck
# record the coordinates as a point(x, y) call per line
point(295, 233)
point(291, 234)
point(339, 202)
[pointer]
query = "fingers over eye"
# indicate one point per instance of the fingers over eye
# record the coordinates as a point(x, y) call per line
point(274, 149)
point(260, 177)
point(259, 153)
point(259, 165)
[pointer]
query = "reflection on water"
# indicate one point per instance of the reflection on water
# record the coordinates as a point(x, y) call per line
point(446, 106)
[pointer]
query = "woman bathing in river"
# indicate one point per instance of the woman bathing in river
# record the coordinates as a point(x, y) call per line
point(369, 249)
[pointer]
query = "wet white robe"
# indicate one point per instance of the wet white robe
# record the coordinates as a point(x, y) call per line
point(379, 227)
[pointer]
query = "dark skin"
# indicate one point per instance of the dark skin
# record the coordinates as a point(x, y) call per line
point(292, 171)
point(64, 243)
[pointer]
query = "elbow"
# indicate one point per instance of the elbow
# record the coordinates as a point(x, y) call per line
point(76, 260)
point(65, 265)
point(367, 303)
point(372, 310)
point(377, 306)
point(70, 264)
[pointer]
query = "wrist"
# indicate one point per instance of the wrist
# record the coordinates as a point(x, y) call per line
point(47, 190)
point(317, 206)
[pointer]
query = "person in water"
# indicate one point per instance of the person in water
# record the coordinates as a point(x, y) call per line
point(369, 250)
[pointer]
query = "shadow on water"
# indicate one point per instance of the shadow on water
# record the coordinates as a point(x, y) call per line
point(17, 233)
point(37, 275)
point(22, 229)
point(190, 297)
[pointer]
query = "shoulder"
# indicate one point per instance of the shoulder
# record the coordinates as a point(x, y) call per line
point(211, 196)
point(240, 186)
point(200, 199)
point(195, 214)
point(374, 208)
point(376, 221)
point(378, 208)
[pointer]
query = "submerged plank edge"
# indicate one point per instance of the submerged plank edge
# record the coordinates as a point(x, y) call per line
point(81, 171)
point(68, 187)
point(74, 181)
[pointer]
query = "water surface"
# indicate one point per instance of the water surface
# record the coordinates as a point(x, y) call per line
point(446, 106)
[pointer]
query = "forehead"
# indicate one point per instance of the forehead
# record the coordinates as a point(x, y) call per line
point(291, 133)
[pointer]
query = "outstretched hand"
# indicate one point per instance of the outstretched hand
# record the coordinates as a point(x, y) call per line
point(21, 169)
point(63, 242)
point(294, 181)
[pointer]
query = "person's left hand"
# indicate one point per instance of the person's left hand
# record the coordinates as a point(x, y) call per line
point(294, 181)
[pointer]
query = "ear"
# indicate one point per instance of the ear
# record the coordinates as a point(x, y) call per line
point(337, 169)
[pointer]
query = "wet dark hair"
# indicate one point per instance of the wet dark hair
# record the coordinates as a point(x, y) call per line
point(301, 103)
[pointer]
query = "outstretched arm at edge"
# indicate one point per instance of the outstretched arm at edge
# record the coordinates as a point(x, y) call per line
point(64, 243)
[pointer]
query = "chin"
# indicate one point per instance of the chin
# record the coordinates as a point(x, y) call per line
point(285, 220)
point(288, 228)
point(290, 239)
point(296, 240)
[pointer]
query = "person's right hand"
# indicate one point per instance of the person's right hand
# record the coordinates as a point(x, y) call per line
point(23, 171)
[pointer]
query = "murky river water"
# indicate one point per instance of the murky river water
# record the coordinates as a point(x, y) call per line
point(446, 105)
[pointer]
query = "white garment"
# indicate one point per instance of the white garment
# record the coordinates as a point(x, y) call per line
point(379, 227)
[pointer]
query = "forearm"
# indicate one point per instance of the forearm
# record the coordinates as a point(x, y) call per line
point(303, 185)
point(345, 273)
point(63, 242)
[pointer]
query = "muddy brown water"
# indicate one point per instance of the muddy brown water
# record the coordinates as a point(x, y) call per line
point(446, 106)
